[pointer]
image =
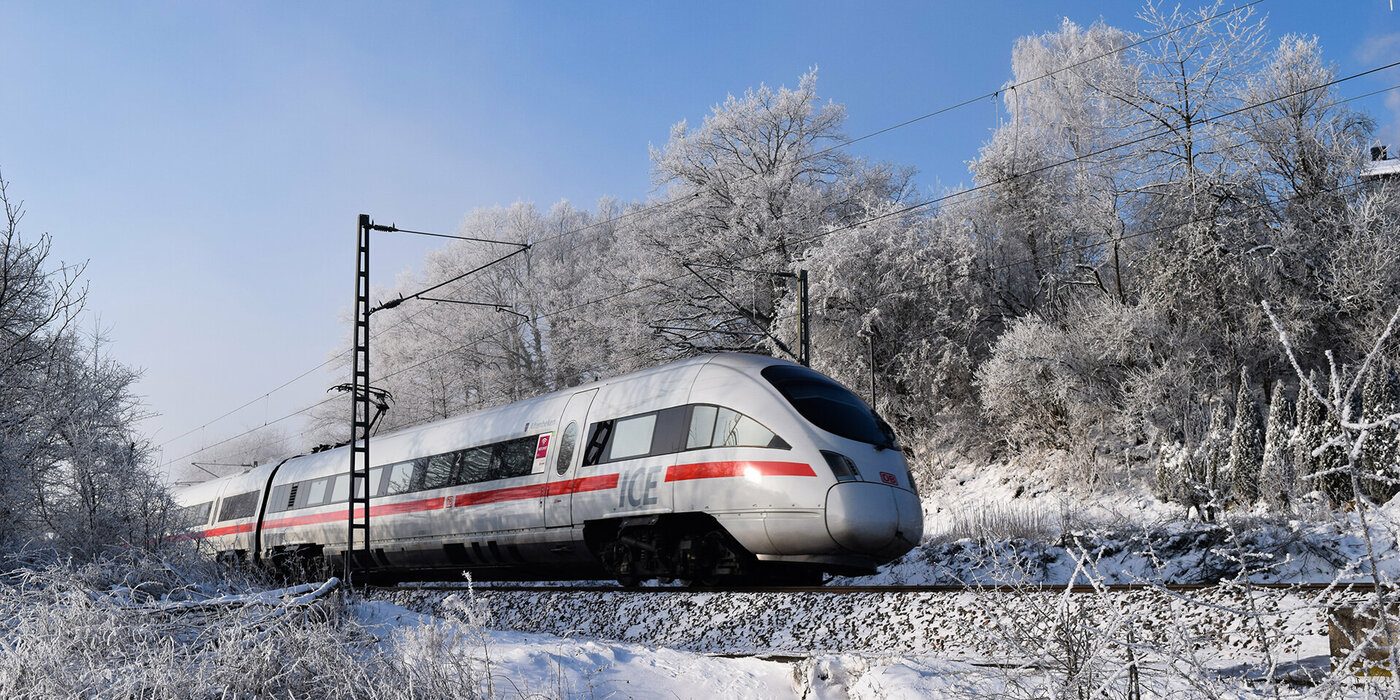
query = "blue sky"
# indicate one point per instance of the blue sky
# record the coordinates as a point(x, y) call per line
point(209, 159)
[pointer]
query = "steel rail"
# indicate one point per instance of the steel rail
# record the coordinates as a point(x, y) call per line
point(1352, 587)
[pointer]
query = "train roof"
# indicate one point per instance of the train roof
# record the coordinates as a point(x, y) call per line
point(738, 361)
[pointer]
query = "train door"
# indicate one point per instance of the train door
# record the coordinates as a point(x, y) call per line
point(562, 470)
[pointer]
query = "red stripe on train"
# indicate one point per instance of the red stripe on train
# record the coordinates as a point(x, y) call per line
point(601, 482)
point(334, 515)
point(221, 531)
point(717, 470)
point(513, 493)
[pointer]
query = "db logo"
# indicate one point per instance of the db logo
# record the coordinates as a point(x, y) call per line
point(889, 478)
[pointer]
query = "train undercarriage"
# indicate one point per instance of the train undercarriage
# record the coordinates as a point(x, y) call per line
point(691, 548)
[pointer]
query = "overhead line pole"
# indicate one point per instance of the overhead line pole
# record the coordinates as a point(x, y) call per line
point(361, 423)
point(358, 510)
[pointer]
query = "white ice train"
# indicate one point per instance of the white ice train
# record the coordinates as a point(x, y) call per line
point(720, 468)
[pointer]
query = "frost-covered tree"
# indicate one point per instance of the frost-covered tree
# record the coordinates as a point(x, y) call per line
point(1307, 437)
point(1246, 446)
point(1202, 485)
point(903, 280)
point(101, 490)
point(1303, 140)
point(1186, 77)
point(74, 476)
point(524, 326)
point(746, 192)
point(1049, 221)
point(1380, 454)
point(1060, 382)
point(1319, 257)
point(1276, 475)
point(1330, 464)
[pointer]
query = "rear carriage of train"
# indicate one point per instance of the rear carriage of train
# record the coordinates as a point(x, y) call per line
point(466, 492)
point(223, 513)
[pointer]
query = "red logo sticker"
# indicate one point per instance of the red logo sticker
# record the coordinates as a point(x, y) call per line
point(889, 478)
point(542, 448)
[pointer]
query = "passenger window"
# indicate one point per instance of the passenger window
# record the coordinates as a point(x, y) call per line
point(400, 477)
point(702, 427)
point(513, 458)
point(475, 465)
point(566, 448)
point(670, 431)
point(197, 514)
point(340, 489)
point(376, 481)
point(712, 426)
point(632, 437)
point(278, 502)
point(420, 470)
point(244, 505)
point(597, 441)
point(316, 493)
point(439, 472)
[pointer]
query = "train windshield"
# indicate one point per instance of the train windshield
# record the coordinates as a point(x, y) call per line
point(828, 405)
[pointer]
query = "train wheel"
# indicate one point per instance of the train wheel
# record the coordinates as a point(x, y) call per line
point(621, 562)
point(712, 562)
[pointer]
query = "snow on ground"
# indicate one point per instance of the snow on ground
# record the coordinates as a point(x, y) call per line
point(523, 664)
point(994, 525)
point(530, 664)
point(985, 528)
point(582, 664)
point(978, 627)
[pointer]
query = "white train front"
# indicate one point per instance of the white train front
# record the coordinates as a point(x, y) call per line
point(720, 468)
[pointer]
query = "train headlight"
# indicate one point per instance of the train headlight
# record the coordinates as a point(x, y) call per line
point(841, 466)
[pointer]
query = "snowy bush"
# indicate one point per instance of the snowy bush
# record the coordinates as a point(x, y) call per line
point(1380, 455)
point(1061, 383)
point(142, 627)
point(1276, 473)
point(1005, 521)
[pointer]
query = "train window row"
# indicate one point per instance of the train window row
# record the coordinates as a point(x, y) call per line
point(668, 431)
point(502, 460)
point(673, 430)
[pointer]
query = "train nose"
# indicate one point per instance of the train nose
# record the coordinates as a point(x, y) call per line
point(873, 518)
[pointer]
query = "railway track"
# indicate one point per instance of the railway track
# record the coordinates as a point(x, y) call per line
point(1355, 587)
point(800, 621)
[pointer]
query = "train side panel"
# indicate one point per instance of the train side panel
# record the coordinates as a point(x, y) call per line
point(628, 478)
